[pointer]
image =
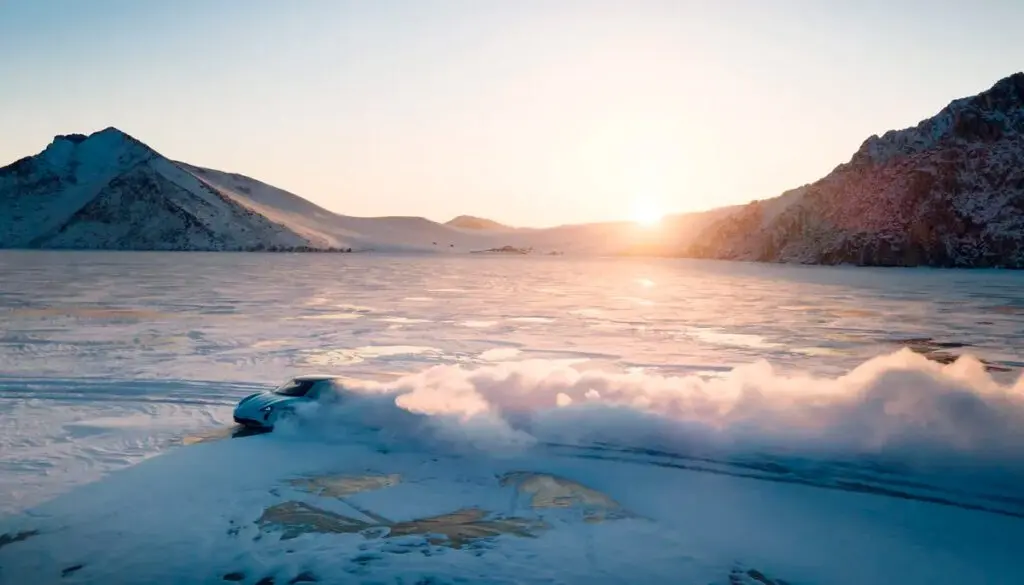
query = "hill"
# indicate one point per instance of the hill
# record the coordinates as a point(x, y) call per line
point(470, 222)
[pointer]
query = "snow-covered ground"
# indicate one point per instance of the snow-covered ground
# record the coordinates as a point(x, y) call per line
point(560, 421)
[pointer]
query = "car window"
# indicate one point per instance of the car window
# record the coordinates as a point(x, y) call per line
point(294, 388)
point(315, 390)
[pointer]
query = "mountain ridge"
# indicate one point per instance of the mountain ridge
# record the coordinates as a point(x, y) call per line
point(108, 190)
point(947, 192)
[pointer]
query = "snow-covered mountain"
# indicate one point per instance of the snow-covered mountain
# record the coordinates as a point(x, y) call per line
point(108, 190)
point(947, 192)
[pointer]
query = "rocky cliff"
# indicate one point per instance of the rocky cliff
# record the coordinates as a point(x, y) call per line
point(948, 192)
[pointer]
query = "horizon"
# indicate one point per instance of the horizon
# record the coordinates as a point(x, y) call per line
point(531, 116)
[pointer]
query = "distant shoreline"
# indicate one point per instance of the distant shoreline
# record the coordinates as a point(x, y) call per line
point(534, 254)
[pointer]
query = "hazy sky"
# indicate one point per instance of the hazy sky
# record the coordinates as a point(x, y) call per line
point(531, 112)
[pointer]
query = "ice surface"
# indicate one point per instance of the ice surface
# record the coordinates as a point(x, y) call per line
point(281, 505)
point(741, 417)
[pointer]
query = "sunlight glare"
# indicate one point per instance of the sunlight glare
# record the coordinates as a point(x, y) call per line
point(646, 213)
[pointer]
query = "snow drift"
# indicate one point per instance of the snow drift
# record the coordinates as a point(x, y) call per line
point(899, 405)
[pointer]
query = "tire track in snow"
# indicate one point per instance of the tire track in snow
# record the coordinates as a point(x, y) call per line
point(59, 433)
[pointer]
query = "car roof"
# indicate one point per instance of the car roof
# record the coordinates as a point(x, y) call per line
point(314, 377)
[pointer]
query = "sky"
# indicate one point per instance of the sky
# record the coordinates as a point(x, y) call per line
point(529, 112)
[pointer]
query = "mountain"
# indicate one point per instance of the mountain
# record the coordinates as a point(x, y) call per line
point(108, 190)
point(948, 192)
point(470, 222)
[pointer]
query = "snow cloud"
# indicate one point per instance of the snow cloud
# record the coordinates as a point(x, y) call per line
point(899, 407)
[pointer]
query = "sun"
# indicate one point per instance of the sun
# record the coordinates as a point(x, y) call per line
point(646, 213)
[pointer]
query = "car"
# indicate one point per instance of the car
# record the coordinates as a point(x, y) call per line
point(262, 410)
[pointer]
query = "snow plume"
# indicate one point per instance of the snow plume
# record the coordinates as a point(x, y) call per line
point(900, 407)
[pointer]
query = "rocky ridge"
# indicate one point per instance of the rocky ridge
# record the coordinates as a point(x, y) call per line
point(948, 192)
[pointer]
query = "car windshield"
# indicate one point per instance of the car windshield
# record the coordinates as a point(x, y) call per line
point(294, 387)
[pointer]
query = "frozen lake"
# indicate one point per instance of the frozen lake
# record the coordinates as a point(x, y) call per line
point(259, 317)
point(107, 359)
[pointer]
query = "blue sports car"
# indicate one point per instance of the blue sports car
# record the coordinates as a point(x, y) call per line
point(263, 409)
